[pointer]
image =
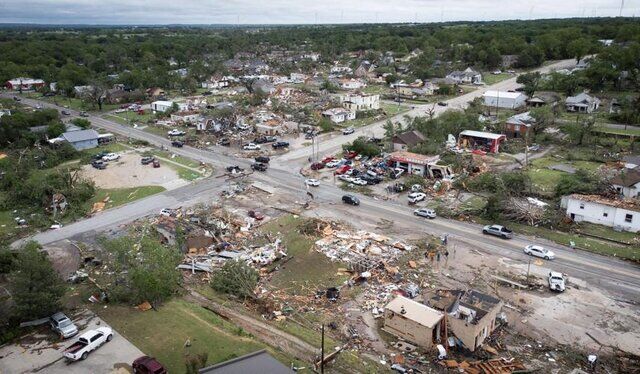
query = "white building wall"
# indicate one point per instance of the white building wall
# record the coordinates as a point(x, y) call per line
point(504, 102)
point(585, 211)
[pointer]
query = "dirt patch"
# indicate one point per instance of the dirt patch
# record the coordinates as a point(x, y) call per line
point(129, 172)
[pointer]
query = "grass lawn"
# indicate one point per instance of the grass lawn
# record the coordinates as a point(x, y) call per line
point(627, 132)
point(474, 204)
point(120, 196)
point(7, 224)
point(582, 242)
point(109, 147)
point(390, 110)
point(545, 180)
point(117, 119)
point(179, 159)
point(308, 270)
point(162, 333)
point(490, 79)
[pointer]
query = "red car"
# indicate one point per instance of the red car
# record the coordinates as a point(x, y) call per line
point(156, 163)
point(350, 155)
point(317, 166)
point(327, 159)
point(148, 365)
point(342, 169)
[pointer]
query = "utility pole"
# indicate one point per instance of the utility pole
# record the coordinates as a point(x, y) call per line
point(322, 352)
point(621, 6)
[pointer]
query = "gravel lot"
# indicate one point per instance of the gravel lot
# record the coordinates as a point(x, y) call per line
point(129, 172)
point(41, 352)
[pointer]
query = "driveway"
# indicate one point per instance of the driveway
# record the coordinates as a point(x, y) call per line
point(41, 352)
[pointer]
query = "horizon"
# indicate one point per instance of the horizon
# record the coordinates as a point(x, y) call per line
point(281, 12)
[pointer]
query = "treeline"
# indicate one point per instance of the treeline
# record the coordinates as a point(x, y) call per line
point(23, 129)
point(140, 56)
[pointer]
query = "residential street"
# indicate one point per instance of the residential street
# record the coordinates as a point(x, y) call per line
point(616, 276)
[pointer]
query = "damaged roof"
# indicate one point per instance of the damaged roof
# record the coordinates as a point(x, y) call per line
point(627, 178)
point(415, 311)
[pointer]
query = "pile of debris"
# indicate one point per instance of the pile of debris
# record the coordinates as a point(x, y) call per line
point(361, 250)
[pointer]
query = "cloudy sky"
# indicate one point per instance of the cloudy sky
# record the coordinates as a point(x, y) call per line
point(299, 11)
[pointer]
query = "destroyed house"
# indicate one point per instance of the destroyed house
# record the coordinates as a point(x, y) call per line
point(412, 321)
point(471, 314)
point(253, 363)
point(404, 141)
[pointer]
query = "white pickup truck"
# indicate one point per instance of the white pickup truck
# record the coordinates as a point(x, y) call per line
point(88, 342)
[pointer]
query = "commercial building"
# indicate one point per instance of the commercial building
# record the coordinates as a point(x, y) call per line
point(504, 99)
point(422, 165)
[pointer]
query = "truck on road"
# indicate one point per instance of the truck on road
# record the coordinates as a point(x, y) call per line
point(87, 342)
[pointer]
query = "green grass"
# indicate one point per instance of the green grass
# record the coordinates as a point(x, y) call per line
point(627, 132)
point(308, 269)
point(116, 119)
point(390, 110)
point(7, 224)
point(184, 173)
point(179, 159)
point(490, 79)
point(474, 204)
point(545, 180)
point(120, 196)
point(582, 242)
point(109, 147)
point(162, 333)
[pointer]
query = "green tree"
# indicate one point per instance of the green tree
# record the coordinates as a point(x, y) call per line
point(530, 82)
point(578, 48)
point(544, 118)
point(81, 122)
point(236, 278)
point(35, 285)
point(389, 129)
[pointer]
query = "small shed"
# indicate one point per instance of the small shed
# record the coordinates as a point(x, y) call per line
point(412, 321)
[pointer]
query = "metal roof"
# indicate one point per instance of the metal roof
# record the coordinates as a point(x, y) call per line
point(80, 135)
point(415, 311)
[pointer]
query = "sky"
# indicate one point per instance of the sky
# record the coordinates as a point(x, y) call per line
point(145, 12)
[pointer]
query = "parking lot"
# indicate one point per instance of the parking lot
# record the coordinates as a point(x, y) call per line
point(41, 352)
point(129, 172)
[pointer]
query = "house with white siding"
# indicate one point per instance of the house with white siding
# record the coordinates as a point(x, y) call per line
point(620, 214)
point(359, 101)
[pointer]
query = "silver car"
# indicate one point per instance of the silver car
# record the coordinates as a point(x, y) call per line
point(424, 212)
point(61, 324)
point(539, 251)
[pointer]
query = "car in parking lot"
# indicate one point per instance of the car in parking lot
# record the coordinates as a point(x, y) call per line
point(175, 132)
point(317, 166)
point(539, 251)
point(66, 112)
point(414, 197)
point(251, 147)
point(359, 182)
point(424, 212)
point(88, 342)
point(265, 139)
point(147, 365)
point(84, 114)
point(177, 144)
point(110, 157)
point(63, 325)
point(333, 163)
point(263, 159)
point(327, 159)
point(348, 130)
point(497, 230)
point(345, 178)
point(98, 164)
point(351, 200)
point(278, 145)
point(147, 160)
point(342, 169)
point(259, 166)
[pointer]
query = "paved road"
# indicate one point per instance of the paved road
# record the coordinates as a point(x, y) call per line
point(614, 275)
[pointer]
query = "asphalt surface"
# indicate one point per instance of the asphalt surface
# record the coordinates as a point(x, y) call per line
point(616, 276)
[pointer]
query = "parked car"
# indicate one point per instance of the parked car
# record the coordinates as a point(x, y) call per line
point(175, 132)
point(264, 139)
point(498, 230)
point(278, 145)
point(312, 182)
point(148, 365)
point(345, 178)
point(539, 251)
point(251, 147)
point(84, 114)
point(397, 173)
point(55, 226)
point(317, 166)
point(89, 341)
point(333, 164)
point(342, 169)
point(414, 197)
point(359, 182)
point(327, 159)
point(99, 156)
point(66, 112)
point(348, 130)
point(63, 325)
point(259, 166)
point(256, 215)
point(262, 159)
point(16, 98)
point(442, 103)
point(424, 212)
point(224, 142)
point(49, 94)
point(556, 281)
point(110, 157)
point(177, 143)
point(147, 160)
point(156, 164)
point(350, 155)
point(351, 200)
point(100, 165)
